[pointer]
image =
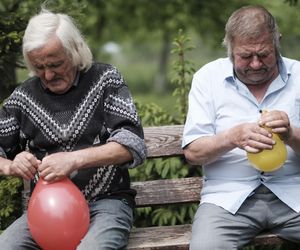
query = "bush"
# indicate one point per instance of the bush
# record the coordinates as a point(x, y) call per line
point(10, 200)
point(176, 167)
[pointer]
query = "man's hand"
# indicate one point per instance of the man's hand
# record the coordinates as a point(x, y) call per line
point(278, 121)
point(56, 166)
point(251, 137)
point(24, 165)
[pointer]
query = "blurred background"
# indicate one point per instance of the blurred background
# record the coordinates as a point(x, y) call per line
point(137, 37)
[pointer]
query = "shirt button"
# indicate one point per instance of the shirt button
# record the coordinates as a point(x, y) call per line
point(261, 173)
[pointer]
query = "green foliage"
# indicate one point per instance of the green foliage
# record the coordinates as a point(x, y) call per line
point(14, 18)
point(174, 215)
point(12, 25)
point(291, 2)
point(175, 167)
point(153, 115)
point(183, 69)
point(10, 200)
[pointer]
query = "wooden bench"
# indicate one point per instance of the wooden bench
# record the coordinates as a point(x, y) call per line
point(165, 141)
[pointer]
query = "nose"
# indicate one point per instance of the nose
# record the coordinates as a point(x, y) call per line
point(255, 62)
point(49, 74)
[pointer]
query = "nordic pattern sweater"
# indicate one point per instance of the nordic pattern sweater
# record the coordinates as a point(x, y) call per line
point(98, 109)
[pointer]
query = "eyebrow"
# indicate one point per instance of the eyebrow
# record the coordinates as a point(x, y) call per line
point(259, 53)
point(52, 64)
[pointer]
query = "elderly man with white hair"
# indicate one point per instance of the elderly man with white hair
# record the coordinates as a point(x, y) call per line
point(72, 118)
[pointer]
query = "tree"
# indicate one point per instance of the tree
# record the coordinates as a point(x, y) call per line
point(101, 20)
point(141, 20)
point(144, 19)
point(12, 25)
point(14, 17)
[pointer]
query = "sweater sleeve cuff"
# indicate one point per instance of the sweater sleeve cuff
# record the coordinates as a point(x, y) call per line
point(133, 143)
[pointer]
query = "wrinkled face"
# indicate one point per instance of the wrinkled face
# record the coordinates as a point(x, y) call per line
point(53, 66)
point(255, 61)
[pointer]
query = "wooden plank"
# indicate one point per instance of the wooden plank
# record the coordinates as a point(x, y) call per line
point(178, 237)
point(267, 239)
point(164, 238)
point(163, 141)
point(168, 191)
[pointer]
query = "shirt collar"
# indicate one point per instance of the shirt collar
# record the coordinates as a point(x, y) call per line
point(283, 71)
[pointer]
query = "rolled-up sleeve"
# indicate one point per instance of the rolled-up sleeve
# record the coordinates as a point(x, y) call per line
point(122, 120)
point(133, 143)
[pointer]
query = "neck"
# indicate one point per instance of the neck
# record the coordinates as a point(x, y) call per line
point(258, 90)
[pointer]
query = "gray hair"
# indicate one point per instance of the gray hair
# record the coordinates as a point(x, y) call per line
point(250, 22)
point(46, 24)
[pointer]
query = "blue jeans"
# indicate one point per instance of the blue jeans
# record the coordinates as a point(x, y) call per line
point(110, 225)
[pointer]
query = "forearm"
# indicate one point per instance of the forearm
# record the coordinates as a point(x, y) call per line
point(111, 153)
point(58, 165)
point(207, 149)
point(4, 166)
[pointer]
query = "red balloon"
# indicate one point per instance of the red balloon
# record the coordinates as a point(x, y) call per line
point(58, 215)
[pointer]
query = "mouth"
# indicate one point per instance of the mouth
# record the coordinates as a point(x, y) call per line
point(256, 72)
point(52, 82)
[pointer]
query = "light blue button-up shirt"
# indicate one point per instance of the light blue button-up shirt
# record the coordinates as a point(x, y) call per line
point(217, 102)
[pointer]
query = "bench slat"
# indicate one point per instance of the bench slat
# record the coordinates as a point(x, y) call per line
point(163, 141)
point(164, 238)
point(178, 237)
point(266, 239)
point(169, 191)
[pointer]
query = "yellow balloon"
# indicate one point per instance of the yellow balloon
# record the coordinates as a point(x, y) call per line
point(269, 159)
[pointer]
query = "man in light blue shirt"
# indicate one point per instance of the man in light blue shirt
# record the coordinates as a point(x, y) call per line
point(225, 121)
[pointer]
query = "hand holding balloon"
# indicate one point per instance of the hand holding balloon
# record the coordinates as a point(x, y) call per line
point(57, 166)
point(270, 159)
point(24, 165)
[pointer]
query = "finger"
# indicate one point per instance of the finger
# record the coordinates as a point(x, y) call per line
point(29, 171)
point(32, 170)
point(22, 172)
point(261, 141)
point(33, 161)
point(258, 130)
point(51, 177)
point(251, 149)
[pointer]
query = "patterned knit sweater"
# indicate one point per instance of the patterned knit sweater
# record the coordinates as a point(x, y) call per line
point(96, 110)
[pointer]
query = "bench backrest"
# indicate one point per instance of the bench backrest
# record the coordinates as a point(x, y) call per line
point(165, 141)
point(162, 141)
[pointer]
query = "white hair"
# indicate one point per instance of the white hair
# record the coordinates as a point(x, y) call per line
point(41, 27)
